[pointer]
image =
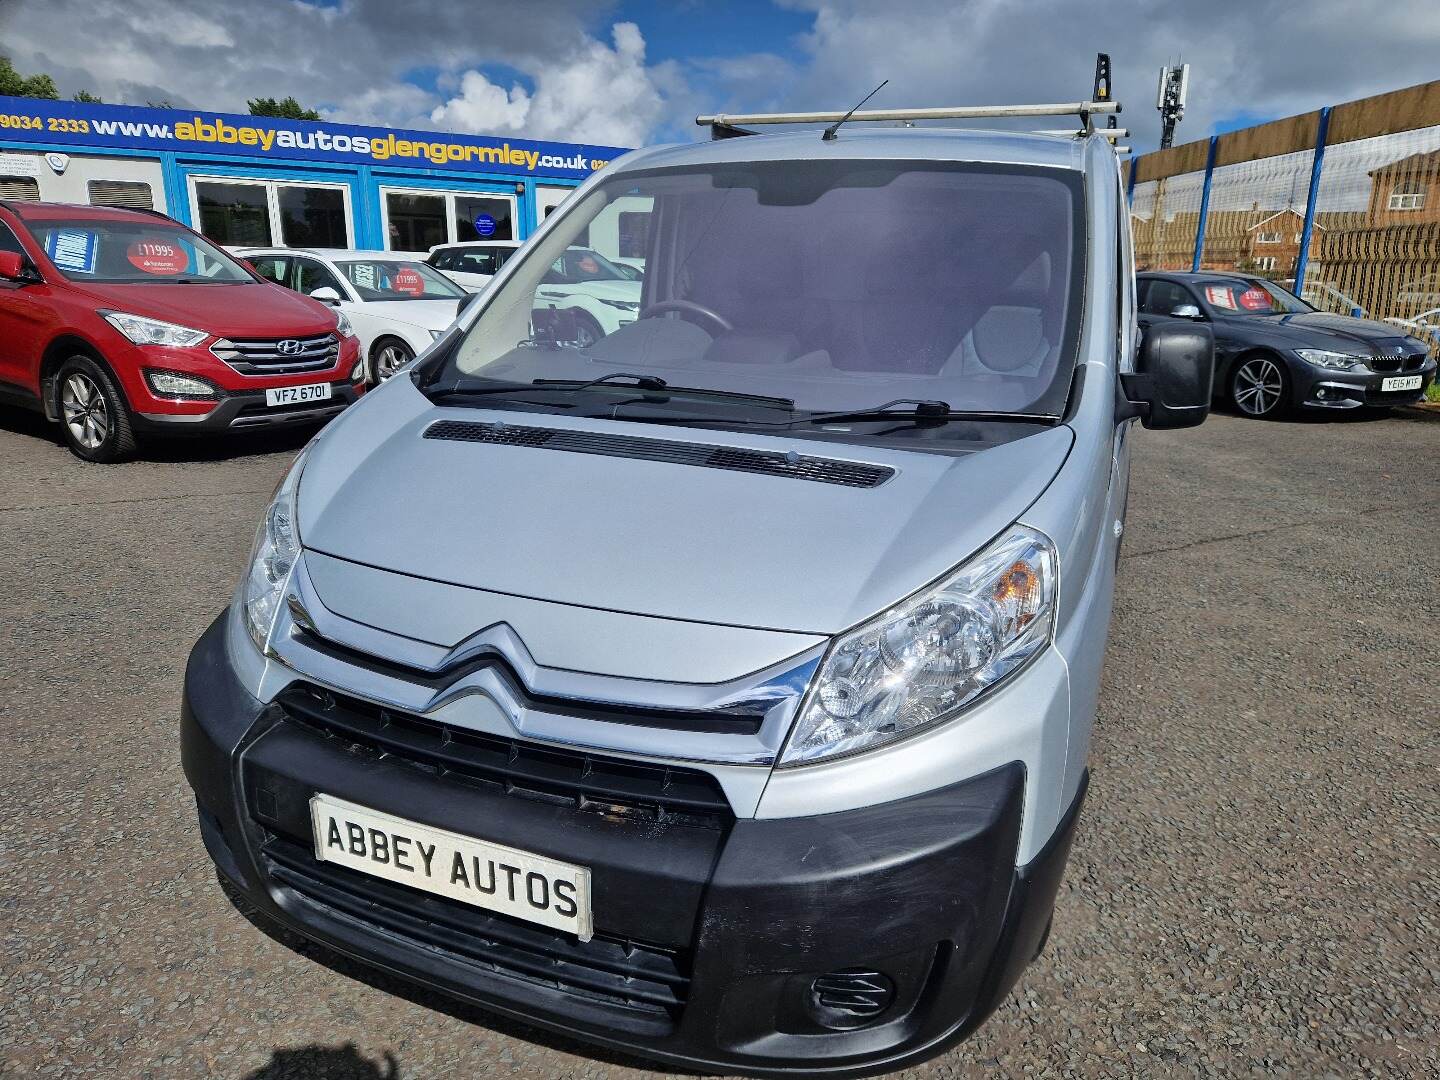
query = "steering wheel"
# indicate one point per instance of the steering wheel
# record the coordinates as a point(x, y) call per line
point(688, 307)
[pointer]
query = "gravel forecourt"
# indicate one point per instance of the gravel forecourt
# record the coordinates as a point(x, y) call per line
point(1253, 889)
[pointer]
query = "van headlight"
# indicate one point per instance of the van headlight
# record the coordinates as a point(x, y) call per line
point(277, 546)
point(927, 658)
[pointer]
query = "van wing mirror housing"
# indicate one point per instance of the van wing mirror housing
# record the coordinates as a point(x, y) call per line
point(1186, 311)
point(326, 294)
point(1175, 377)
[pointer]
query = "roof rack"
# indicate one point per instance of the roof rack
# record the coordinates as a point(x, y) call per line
point(731, 124)
point(728, 125)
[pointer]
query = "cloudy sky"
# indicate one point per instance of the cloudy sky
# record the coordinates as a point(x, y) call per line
point(625, 72)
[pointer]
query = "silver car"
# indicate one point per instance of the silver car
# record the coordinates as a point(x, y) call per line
point(718, 689)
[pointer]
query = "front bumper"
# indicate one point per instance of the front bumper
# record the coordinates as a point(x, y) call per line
point(247, 411)
point(1323, 388)
point(710, 930)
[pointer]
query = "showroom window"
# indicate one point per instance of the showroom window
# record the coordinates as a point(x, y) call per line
point(266, 213)
point(415, 222)
point(419, 220)
point(234, 214)
point(480, 218)
point(312, 216)
point(129, 193)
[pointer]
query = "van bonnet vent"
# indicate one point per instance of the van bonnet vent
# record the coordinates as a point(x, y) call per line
point(734, 459)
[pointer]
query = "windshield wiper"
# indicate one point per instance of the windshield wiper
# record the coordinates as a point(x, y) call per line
point(922, 412)
point(655, 388)
point(660, 388)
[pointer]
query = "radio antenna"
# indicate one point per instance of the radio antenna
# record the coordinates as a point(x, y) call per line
point(830, 131)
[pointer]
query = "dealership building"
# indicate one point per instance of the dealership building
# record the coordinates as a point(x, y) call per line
point(262, 181)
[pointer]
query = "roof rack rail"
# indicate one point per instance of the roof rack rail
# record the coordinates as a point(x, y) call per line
point(729, 125)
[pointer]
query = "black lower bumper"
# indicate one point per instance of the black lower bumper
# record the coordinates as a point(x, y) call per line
point(845, 944)
point(248, 412)
point(1319, 388)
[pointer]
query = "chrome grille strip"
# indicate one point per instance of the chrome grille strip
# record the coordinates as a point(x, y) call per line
point(264, 357)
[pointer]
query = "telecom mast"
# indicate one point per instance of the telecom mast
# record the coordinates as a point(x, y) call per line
point(1170, 100)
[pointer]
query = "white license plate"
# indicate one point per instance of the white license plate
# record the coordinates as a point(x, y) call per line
point(296, 395)
point(1402, 382)
point(490, 876)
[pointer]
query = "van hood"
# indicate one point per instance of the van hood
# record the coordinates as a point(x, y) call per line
point(240, 310)
point(653, 537)
point(426, 314)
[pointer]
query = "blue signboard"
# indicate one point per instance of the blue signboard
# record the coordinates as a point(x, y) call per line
point(200, 131)
point(485, 225)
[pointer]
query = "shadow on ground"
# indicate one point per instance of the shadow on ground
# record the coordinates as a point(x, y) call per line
point(417, 995)
point(1362, 415)
point(315, 1062)
point(172, 450)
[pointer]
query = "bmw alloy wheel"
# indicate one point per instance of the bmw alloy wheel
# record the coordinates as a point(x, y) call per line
point(86, 414)
point(1258, 386)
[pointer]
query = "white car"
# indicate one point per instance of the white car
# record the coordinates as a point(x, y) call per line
point(396, 304)
point(472, 263)
point(588, 297)
point(584, 297)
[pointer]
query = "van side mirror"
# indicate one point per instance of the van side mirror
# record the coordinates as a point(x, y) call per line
point(1186, 311)
point(1174, 377)
point(325, 294)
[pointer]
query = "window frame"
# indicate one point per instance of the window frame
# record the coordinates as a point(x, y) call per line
point(272, 204)
point(337, 279)
point(1408, 195)
point(449, 195)
point(1185, 290)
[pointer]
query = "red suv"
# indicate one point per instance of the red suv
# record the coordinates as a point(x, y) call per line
point(121, 323)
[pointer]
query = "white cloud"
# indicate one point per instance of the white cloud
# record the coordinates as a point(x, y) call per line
point(354, 62)
point(1270, 58)
point(598, 94)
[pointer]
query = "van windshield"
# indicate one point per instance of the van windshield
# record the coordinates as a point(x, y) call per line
point(836, 285)
point(133, 252)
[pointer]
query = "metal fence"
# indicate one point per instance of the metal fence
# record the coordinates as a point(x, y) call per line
point(1341, 204)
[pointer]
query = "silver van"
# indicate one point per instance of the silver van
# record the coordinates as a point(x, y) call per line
point(719, 689)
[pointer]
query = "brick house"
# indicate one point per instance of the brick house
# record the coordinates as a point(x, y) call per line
point(1272, 244)
point(1406, 192)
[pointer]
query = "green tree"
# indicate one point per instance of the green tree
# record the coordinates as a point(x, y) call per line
point(286, 108)
point(13, 84)
point(87, 98)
